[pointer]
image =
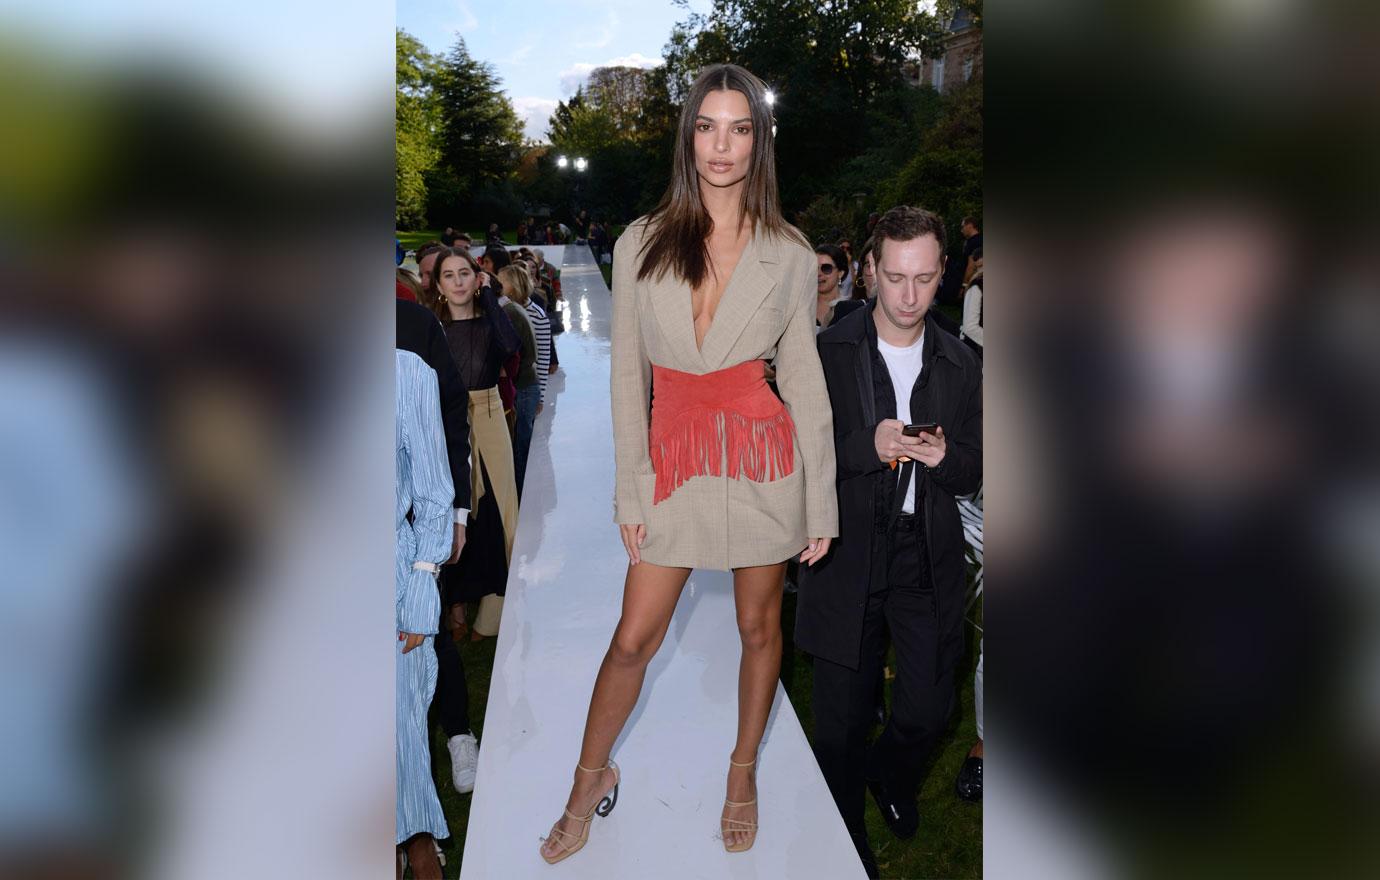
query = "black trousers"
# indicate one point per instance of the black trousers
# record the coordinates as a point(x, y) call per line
point(921, 703)
point(452, 700)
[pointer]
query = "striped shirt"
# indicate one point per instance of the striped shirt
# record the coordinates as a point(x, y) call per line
point(423, 486)
point(541, 325)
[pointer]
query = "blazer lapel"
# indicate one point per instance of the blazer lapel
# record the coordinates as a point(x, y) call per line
point(670, 299)
point(754, 278)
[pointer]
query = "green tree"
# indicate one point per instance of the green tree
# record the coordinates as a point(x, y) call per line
point(415, 120)
point(829, 62)
point(622, 121)
point(479, 135)
point(827, 219)
point(945, 172)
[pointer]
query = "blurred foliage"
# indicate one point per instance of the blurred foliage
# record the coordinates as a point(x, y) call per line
point(850, 126)
point(854, 134)
point(827, 220)
point(945, 172)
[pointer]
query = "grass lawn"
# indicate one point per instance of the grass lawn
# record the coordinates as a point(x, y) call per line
point(950, 840)
point(411, 240)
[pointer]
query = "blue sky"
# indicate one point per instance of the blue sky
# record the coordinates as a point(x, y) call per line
point(542, 51)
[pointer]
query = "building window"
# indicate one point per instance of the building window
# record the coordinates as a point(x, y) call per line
point(938, 76)
point(968, 68)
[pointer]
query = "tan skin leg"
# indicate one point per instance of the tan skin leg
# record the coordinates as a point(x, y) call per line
point(421, 856)
point(757, 593)
point(650, 593)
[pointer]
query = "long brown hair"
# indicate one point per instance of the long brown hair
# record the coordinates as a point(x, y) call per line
point(438, 299)
point(679, 227)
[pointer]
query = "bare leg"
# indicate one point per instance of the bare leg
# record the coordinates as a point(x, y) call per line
point(650, 594)
point(757, 596)
point(421, 855)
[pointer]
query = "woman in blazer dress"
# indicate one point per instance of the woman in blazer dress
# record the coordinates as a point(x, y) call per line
point(720, 473)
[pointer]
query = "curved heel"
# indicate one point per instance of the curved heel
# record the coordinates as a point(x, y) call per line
point(608, 803)
point(611, 799)
point(603, 809)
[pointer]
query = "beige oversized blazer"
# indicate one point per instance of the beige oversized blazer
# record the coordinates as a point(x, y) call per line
point(766, 312)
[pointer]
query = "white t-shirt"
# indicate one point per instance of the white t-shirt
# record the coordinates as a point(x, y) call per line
point(904, 366)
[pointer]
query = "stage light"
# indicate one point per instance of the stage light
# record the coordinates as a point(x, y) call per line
point(562, 161)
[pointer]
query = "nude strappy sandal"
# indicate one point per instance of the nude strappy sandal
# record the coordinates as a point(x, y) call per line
point(603, 808)
point(727, 825)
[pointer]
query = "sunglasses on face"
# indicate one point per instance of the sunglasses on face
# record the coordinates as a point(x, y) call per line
point(827, 268)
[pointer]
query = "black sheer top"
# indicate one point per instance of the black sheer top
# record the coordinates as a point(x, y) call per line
point(479, 346)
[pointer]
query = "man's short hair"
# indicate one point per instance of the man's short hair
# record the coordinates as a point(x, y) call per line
point(971, 221)
point(462, 236)
point(905, 223)
point(427, 248)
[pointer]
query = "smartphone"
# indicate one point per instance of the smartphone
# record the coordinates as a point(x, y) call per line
point(917, 430)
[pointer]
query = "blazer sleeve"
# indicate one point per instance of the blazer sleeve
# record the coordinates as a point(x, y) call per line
point(455, 412)
point(800, 379)
point(506, 338)
point(630, 378)
point(960, 473)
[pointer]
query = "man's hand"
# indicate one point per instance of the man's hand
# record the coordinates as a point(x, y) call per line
point(818, 549)
point(410, 640)
point(457, 545)
point(633, 536)
point(892, 445)
point(932, 448)
point(484, 281)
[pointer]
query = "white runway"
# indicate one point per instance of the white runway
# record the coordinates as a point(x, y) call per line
point(564, 594)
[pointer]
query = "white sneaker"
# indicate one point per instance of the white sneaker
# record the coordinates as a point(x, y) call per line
point(464, 761)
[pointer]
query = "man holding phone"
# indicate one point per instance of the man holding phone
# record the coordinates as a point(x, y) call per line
point(907, 401)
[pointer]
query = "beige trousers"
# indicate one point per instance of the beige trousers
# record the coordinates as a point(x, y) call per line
point(491, 449)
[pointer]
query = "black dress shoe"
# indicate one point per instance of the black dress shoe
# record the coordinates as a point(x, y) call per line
point(969, 782)
point(899, 812)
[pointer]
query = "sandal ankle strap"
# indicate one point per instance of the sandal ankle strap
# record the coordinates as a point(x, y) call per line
point(737, 764)
point(580, 766)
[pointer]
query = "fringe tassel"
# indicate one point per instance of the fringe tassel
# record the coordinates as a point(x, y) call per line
point(760, 449)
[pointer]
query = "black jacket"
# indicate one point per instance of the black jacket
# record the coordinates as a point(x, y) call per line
point(420, 332)
point(833, 593)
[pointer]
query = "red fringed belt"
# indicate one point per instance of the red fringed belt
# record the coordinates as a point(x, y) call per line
point(699, 422)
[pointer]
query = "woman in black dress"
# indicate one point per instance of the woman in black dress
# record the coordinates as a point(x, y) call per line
point(481, 338)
